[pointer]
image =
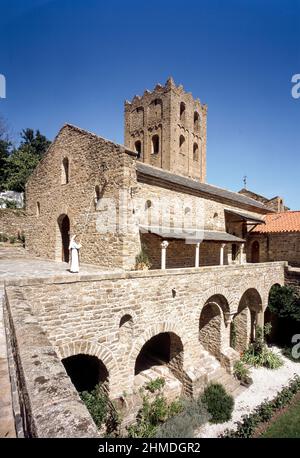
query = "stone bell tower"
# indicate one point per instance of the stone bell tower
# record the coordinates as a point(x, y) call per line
point(167, 127)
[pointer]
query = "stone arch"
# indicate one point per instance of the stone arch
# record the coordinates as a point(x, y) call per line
point(212, 324)
point(86, 372)
point(219, 291)
point(126, 329)
point(248, 316)
point(162, 345)
point(62, 238)
point(152, 331)
point(196, 122)
point(138, 148)
point(86, 347)
point(182, 112)
point(155, 146)
point(65, 171)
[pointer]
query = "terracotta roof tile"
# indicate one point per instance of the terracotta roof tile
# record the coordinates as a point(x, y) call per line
point(280, 222)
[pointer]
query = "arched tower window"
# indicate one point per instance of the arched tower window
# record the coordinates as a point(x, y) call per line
point(38, 209)
point(195, 152)
point(97, 196)
point(182, 112)
point(65, 171)
point(138, 148)
point(196, 122)
point(155, 144)
point(181, 143)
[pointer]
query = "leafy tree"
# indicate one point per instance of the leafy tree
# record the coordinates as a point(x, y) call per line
point(34, 142)
point(24, 159)
point(285, 302)
point(5, 150)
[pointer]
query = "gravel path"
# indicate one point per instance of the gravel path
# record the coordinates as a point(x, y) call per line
point(266, 383)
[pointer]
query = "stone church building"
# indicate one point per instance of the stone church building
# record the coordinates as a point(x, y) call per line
point(119, 199)
point(124, 325)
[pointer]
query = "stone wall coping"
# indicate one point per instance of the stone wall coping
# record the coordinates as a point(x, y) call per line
point(101, 276)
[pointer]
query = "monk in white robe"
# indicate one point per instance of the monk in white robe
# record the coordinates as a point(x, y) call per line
point(74, 255)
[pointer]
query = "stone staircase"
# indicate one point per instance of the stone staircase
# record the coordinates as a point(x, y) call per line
point(209, 370)
point(158, 369)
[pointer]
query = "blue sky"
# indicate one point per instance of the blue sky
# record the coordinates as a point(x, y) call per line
point(77, 61)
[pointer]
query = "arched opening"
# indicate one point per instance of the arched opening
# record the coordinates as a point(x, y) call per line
point(97, 196)
point(86, 371)
point(155, 352)
point(181, 144)
point(182, 112)
point(64, 227)
point(162, 356)
point(155, 144)
point(126, 329)
point(247, 318)
point(195, 152)
point(138, 148)
point(196, 122)
point(211, 324)
point(255, 252)
point(65, 171)
point(38, 209)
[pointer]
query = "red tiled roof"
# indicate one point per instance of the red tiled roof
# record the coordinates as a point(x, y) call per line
point(280, 222)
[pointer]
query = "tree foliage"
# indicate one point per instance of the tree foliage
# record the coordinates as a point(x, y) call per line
point(17, 164)
point(284, 302)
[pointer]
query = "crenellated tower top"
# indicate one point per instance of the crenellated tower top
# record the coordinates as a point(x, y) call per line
point(167, 127)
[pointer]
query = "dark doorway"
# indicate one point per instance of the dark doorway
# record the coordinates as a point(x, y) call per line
point(64, 226)
point(85, 371)
point(155, 352)
point(255, 252)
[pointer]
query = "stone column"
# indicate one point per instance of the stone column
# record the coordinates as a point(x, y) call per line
point(164, 245)
point(197, 255)
point(222, 254)
point(242, 261)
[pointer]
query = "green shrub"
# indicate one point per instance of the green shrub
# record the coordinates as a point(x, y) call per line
point(193, 415)
point(149, 417)
point(219, 404)
point(12, 239)
point(3, 237)
point(96, 402)
point(284, 301)
point(155, 385)
point(240, 371)
point(266, 358)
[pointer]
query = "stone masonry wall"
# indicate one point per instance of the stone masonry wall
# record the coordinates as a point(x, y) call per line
point(82, 314)
point(278, 247)
point(13, 222)
point(93, 162)
point(158, 113)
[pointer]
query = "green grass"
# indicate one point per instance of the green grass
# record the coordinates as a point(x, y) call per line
point(287, 425)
